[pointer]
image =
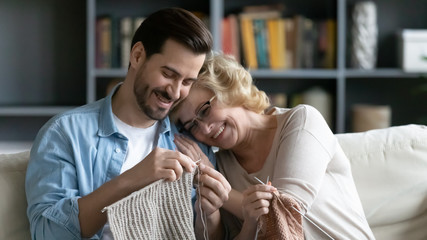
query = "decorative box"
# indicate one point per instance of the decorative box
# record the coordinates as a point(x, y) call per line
point(413, 50)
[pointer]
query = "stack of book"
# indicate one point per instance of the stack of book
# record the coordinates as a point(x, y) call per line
point(271, 41)
point(113, 40)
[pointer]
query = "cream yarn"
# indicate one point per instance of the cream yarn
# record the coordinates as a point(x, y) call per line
point(162, 210)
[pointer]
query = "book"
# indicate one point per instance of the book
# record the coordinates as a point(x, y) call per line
point(322, 44)
point(103, 53)
point(299, 41)
point(261, 14)
point(126, 32)
point(331, 35)
point(248, 42)
point(263, 8)
point(308, 44)
point(290, 39)
point(115, 43)
point(255, 35)
point(261, 43)
point(277, 43)
point(230, 36)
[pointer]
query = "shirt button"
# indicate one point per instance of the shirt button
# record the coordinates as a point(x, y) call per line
point(117, 150)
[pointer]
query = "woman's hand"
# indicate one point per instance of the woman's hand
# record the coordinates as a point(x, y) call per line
point(191, 149)
point(256, 202)
point(213, 190)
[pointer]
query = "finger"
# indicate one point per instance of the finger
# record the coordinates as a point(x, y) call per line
point(215, 175)
point(175, 166)
point(215, 197)
point(259, 188)
point(183, 160)
point(259, 212)
point(185, 148)
point(168, 174)
point(207, 207)
point(190, 143)
point(257, 208)
point(256, 196)
point(260, 203)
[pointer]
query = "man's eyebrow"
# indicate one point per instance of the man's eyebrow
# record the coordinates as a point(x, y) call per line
point(178, 73)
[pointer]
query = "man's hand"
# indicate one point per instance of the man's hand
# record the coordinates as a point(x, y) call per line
point(160, 164)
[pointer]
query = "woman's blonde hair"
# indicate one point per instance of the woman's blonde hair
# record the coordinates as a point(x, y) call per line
point(231, 83)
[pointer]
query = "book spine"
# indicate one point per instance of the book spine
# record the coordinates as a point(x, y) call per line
point(249, 48)
point(126, 30)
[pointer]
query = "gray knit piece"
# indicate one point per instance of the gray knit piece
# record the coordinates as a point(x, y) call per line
point(161, 210)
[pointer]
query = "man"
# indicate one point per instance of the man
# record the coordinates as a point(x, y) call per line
point(90, 157)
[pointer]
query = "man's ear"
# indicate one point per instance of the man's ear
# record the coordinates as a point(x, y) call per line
point(137, 54)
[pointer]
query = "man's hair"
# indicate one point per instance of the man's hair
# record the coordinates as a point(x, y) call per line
point(173, 23)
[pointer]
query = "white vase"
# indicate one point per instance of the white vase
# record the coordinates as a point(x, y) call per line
point(364, 35)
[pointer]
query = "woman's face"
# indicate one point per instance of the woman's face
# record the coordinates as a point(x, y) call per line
point(208, 121)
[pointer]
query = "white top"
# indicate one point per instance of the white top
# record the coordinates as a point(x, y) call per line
point(306, 162)
point(140, 144)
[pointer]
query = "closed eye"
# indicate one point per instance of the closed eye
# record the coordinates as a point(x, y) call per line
point(188, 82)
point(204, 111)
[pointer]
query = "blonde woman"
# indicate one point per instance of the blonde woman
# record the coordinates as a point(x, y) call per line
point(294, 148)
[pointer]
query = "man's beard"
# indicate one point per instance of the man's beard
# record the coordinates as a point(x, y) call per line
point(142, 93)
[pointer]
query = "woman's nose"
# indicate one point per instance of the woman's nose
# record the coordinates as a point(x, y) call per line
point(205, 127)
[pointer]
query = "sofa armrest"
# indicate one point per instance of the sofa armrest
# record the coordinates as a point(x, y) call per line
point(13, 203)
point(389, 167)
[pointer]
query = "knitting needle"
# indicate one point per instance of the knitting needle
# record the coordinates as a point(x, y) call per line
point(312, 222)
point(257, 229)
point(259, 180)
point(300, 213)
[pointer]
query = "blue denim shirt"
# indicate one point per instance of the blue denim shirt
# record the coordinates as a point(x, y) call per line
point(73, 154)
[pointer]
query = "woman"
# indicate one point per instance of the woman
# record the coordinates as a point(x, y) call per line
point(294, 148)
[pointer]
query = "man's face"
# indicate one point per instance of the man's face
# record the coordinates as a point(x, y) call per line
point(166, 78)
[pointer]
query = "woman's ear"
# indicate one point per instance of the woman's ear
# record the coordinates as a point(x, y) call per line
point(137, 54)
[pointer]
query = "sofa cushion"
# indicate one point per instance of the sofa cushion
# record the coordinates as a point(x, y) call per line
point(13, 204)
point(390, 171)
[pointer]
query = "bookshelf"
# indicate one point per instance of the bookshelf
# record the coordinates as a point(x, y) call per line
point(338, 81)
point(60, 71)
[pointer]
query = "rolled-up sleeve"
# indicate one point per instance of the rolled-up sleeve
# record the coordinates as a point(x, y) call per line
point(51, 187)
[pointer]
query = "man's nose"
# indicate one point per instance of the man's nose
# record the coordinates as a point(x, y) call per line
point(174, 90)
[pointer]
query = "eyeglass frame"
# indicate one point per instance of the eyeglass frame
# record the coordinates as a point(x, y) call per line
point(198, 117)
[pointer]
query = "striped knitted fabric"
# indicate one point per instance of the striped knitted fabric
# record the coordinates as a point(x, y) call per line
point(162, 210)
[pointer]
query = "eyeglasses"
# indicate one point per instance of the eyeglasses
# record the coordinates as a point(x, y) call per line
point(201, 114)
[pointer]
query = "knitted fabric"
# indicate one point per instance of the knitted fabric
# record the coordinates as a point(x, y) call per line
point(161, 210)
point(282, 221)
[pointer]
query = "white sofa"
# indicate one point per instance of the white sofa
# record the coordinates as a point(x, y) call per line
point(389, 167)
